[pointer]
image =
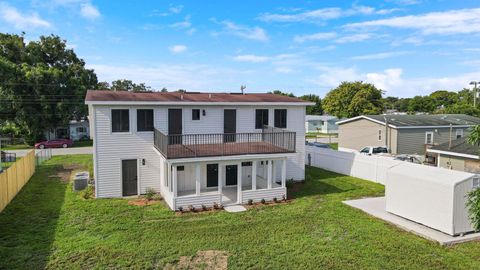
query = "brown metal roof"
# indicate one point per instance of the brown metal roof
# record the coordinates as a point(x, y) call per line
point(102, 95)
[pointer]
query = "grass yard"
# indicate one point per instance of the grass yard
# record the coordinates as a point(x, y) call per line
point(49, 226)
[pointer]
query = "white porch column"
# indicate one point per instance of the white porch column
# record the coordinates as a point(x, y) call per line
point(197, 179)
point(220, 177)
point(254, 175)
point(274, 171)
point(284, 172)
point(174, 181)
point(269, 174)
point(239, 183)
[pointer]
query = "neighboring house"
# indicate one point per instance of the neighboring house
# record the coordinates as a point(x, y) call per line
point(196, 148)
point(321, 123)
point(406, 134)
point(458, 155)
point(76, 130)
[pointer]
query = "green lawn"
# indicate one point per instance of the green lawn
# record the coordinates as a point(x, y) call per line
point(49, 226)
point(334, 146)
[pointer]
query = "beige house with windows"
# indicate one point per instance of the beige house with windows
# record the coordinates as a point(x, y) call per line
point(403, 134)
point(457, 155)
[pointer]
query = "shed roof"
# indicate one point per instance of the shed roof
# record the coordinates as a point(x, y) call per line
point(434, 175)
point(430, 120)
point(94, 96)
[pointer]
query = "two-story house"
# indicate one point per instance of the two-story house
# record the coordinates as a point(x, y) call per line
point(196, 148)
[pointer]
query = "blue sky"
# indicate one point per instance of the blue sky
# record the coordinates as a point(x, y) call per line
point(405, 47)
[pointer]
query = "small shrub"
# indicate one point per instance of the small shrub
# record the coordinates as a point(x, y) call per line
point(284, 198)
point(250, 202)
point(275, 199)
point(220, 206)
point(88, 193)
point(204, 207)
point(290, 183)
point(262, 201)
point(192, 208)
point(150, 193)
point(473, 204)
point(180, 209)
point(215, 205)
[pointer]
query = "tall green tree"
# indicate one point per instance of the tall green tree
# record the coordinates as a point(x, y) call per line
point(128, 85)
point(351, 99)
point(421, 104)
point(315, 109)
point(43, 83)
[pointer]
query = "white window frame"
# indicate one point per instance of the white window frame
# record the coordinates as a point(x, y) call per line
point(380, 135)
point(476, 182)
point(426, 137)
point(458, 132)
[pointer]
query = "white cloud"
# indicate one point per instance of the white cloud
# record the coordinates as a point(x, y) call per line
point(383, 55)
point(183, 24)
point(175, 9)
point(463, 21)
point(253, 33)
point(176, 49)
point(89, 11)
point(251, 58)
point(324, 14)
point(353, 38)
point(392, 80)
point(285, 70)
point(316, 36)
point(19, 20)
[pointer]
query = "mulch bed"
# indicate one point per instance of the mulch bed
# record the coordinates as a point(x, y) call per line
point(143, 202)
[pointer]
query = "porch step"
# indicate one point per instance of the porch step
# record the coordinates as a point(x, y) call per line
point(235, 208)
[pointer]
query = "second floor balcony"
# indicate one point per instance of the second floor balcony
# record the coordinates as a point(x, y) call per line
point(269, 141)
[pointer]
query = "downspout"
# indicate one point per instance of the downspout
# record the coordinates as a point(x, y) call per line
point(386, 133)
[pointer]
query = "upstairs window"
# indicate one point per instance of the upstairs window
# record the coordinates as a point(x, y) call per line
point(120, 120)
point(428, 137)
point(379, 134)
point(145, 120)
point(261, 118)
point(459, 133)
point(280, 118)
point(81, 129)
point(196, 114)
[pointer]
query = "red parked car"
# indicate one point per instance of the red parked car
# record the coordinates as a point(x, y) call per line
point(57, 143)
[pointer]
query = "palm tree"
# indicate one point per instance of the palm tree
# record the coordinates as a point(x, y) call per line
point(474, 137)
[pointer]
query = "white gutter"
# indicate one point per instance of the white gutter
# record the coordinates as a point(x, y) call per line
point(452, 154)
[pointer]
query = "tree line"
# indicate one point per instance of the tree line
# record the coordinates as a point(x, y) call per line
point(43, 84)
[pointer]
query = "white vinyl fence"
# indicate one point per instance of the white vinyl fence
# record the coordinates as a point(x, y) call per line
point(373, 168)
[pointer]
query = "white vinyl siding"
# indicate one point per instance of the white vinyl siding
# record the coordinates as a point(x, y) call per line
point(110, 147)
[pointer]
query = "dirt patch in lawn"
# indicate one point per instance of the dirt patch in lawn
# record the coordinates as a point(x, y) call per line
point(142, 202)
point(208, 259)
point(65, 172)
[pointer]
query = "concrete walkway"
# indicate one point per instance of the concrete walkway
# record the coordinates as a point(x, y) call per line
point(376, 208)
point(58, 151)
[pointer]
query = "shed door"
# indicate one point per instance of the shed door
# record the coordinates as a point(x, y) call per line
point(129, 177)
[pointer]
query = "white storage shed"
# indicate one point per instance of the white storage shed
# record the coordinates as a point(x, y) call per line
point(434, 197)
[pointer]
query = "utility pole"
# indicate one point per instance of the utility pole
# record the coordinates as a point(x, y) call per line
point(242, 88)
point(474, 83)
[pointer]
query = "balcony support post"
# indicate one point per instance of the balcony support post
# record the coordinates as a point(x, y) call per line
point(197, 179)
point(269, 174)
point(284, 172)
point(254, 175)
point(239, 182)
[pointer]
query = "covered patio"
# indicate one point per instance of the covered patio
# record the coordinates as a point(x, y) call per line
point(255, 179)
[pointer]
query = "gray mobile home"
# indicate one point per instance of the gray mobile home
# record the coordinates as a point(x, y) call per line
point(403, 134)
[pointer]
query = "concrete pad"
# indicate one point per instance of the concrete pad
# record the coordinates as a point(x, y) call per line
point(376, 208)
point(235, 208)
